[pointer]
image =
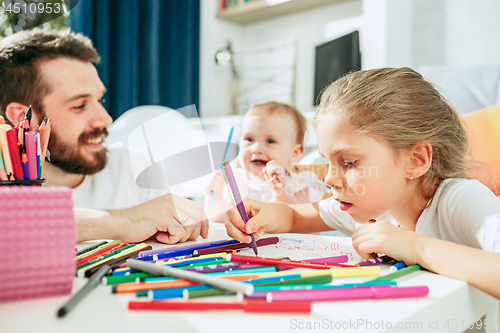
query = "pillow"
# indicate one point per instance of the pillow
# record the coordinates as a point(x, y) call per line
point(483, 128)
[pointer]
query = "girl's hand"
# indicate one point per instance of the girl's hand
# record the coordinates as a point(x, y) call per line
point(275, 174)
point(215, 183)
point(383, 237)
point(260, 215)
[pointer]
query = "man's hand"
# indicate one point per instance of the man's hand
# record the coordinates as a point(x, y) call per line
point(169, 218)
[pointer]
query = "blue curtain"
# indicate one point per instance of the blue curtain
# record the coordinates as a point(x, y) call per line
point(149, 50)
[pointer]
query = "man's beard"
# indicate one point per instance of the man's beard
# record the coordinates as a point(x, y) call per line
point(70, 159)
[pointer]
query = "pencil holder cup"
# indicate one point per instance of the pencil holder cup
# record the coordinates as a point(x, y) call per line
point(37, 242)
point(34, 182)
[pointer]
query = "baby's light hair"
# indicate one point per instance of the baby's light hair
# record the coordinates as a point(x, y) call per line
point(398, 106)
point(270, 108)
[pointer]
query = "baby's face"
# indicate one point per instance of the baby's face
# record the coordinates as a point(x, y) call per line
point(267, 138)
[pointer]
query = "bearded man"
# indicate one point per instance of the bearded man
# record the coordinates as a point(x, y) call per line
point(54, 72)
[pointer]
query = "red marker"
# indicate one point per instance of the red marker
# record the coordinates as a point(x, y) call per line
point(15, 158)
point(247, 306)
point(98, 253)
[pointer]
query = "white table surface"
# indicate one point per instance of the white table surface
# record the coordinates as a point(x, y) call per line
point(450, 306)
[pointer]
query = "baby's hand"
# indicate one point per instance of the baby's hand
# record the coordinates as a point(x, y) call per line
point(275, 174)
point(215, 183)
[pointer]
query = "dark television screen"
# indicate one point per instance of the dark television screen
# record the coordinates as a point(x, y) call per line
point(335, 59)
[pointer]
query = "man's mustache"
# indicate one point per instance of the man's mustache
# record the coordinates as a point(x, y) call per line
point(86, 136)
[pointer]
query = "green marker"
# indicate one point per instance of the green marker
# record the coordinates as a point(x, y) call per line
point(399, 273)
point(324, 286)
point(327, 278)
point(188, 294)
point(114, 279)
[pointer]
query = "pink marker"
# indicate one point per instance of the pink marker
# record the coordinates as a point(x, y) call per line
point(29, 138)
point(330, 260)
point(375, 292)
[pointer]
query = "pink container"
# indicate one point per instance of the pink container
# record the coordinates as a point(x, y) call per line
point(37, 242)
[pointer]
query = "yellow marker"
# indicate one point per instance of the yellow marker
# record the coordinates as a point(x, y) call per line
point(355, 271)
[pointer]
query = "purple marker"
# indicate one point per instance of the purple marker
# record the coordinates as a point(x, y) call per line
point(237, 199)
point(376, 261)
point(329, 260)
point(188, 247)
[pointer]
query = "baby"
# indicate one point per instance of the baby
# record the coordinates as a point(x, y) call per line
point(271, 139)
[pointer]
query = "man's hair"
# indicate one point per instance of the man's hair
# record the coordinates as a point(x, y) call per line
point(21, 55)
point(270, 108)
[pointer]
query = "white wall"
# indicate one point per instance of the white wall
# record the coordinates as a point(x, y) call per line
point(306, 27)
point(214, 80)
point(472, 32)
point(394, 33)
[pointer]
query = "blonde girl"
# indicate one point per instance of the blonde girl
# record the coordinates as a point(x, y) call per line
point(397, 153)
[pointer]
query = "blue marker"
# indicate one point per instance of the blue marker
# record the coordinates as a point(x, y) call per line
point(38, 155)
point(212, 195)
point(397, 266)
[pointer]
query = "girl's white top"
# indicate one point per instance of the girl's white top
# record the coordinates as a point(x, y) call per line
point(463, 211)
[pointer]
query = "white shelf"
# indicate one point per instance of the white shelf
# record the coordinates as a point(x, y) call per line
point(261, 10)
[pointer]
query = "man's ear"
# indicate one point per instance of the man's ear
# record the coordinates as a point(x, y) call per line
point(297, 152)
point(419, 160)
point(15, 112)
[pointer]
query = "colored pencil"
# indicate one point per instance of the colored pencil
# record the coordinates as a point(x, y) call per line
point(113, 262)
point(5, 151)
point(90, 248)
point(98, 253)
point(121, 254)
point(226, 148)
point(170, 271)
